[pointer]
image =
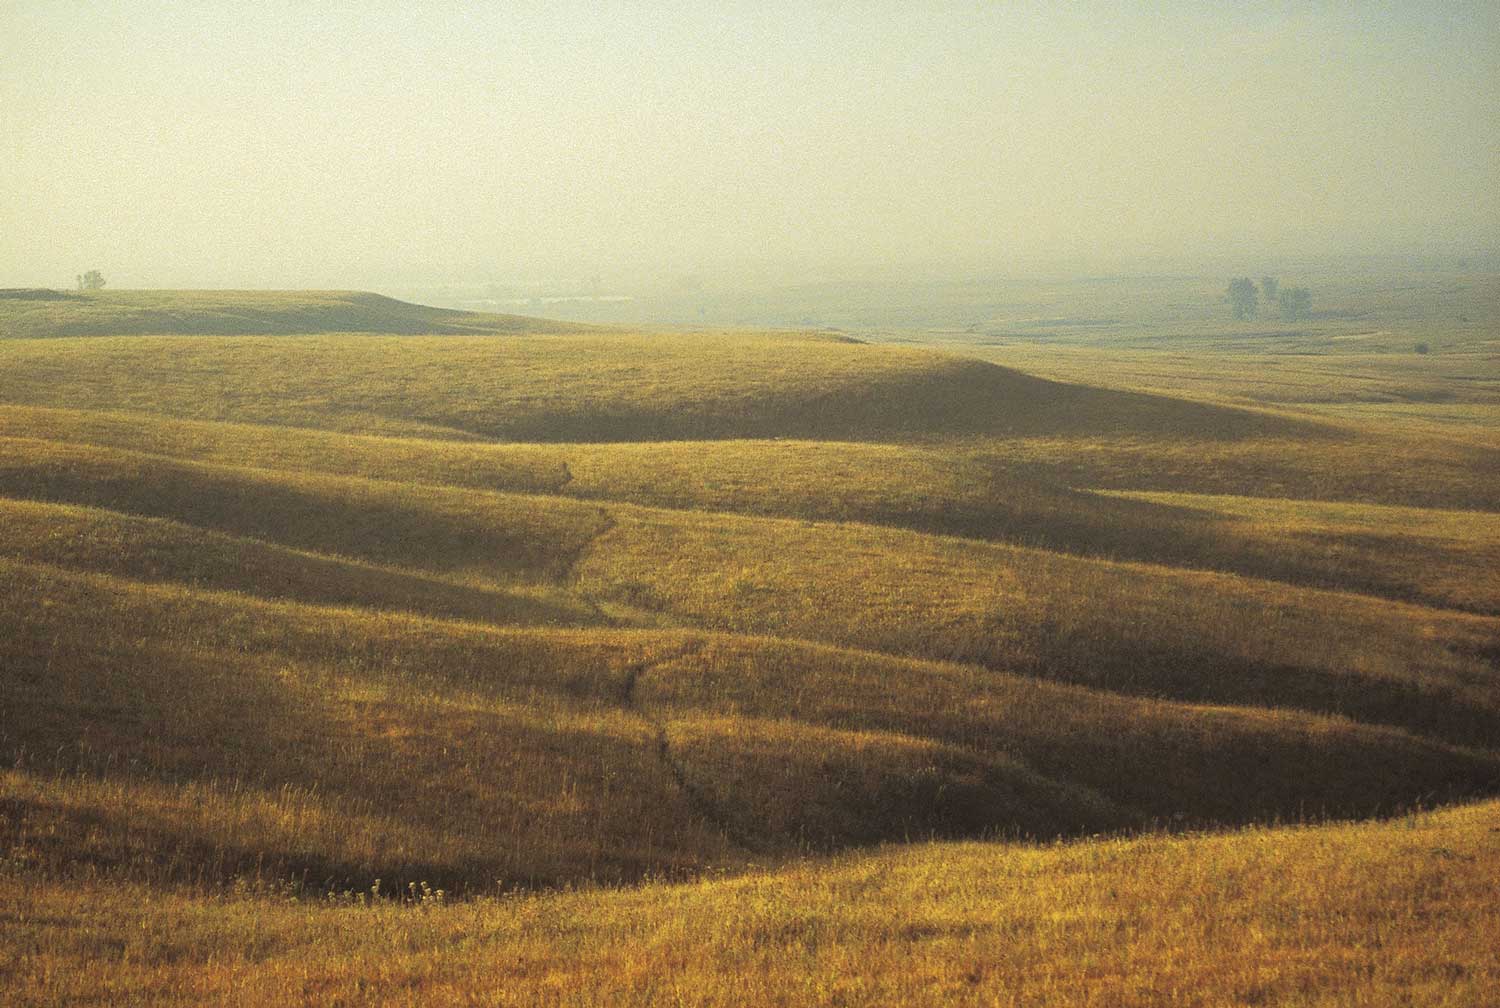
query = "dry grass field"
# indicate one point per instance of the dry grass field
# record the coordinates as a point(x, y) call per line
point(357, 652)
point(1371, 914)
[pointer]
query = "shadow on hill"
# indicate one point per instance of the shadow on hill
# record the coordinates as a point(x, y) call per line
point(35, 294)
point(976, 397)
point(160, 551)
point(575, 386)
point(1148, 760)
point(431, 529)
point(935, 398)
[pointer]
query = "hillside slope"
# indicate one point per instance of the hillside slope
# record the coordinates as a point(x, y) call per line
point(980, 491)
point(1385, 913)
point(591, 387)
point(1133, 628)
point(49, 314)
point(474, 755)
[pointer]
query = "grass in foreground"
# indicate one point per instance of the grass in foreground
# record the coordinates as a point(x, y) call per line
point(1384, 913)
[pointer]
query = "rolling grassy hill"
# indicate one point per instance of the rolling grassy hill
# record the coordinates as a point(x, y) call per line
point(1333, 915)
point(494, 604)
point(593, 387)
point(46, 314)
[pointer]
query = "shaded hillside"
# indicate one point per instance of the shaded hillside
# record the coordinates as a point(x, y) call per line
point(156, 551)
point(435, 529)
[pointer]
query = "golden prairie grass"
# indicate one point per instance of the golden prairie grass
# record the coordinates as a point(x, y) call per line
point(1370, 377)
point(590, 387)
point(529, 756)
point(157, 550)
point(1126, 627)
point(1451, 558)
point(509, 748)
point(425, 527)
point(521, 606)
point(1143, 759)
point(996, 490)
point(519, 468)
point(1398, 912)
point(1132, 627)
point(1440, 470)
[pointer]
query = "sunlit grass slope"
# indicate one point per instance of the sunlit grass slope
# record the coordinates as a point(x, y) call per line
point(1449, 557)
point(1399, 912)
point(431, 528)
point(162, 552)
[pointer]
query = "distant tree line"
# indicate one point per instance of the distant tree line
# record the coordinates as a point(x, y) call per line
point(1244, 298)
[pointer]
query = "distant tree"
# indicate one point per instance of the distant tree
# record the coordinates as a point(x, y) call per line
point(92, 280)
point(1296, 303)
point(1243, 298)
point(1423, 348)
point(1268, 287)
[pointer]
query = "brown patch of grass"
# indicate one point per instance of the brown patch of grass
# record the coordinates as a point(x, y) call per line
point(533, 755)
point(508, 747)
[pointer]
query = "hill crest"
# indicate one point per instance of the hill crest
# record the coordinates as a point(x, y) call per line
point(46, 314)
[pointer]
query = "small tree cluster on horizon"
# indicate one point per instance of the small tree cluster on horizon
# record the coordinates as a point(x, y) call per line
point(1244, 298)
point(92, 280)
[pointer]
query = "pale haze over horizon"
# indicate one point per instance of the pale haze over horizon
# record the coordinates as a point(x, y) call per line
point(281, 145)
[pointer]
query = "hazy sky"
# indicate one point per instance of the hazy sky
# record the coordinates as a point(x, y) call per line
point(318, 144)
